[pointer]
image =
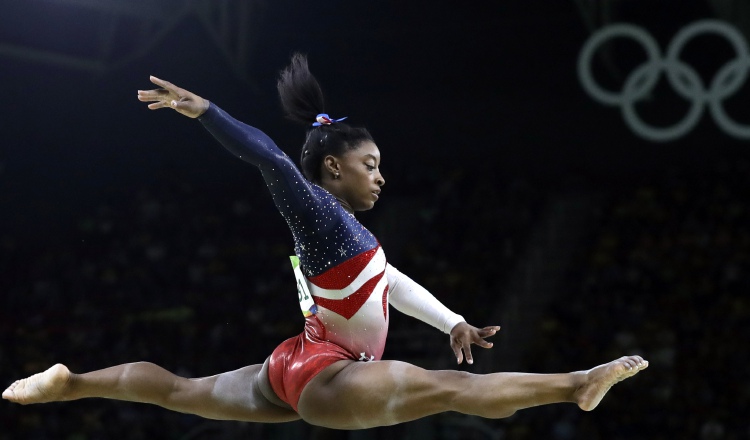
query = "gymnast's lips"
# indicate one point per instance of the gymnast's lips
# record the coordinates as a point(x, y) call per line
point(376, 193)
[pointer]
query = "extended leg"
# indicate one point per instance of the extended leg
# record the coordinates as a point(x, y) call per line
point(235, 395)
point(355, 395)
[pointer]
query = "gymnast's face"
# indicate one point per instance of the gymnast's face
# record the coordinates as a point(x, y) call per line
point(354, 177)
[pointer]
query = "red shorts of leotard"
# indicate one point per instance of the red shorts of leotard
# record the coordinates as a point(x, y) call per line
point(297, 360)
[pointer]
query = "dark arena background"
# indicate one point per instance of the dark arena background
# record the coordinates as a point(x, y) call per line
point(575, 171)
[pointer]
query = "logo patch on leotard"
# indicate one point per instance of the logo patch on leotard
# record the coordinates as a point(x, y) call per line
point(306, 302)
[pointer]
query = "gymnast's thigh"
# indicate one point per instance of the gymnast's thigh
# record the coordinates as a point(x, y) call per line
point(358, 395)
point(235, 395)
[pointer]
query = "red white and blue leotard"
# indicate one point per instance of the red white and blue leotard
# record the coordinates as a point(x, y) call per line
point(344, 266)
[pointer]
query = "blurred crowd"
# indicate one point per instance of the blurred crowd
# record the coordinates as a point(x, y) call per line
point(199, 282)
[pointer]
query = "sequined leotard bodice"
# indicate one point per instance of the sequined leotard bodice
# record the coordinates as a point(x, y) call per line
point(342, 261)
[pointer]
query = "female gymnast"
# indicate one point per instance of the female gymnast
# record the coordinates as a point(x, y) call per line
point(331, 374)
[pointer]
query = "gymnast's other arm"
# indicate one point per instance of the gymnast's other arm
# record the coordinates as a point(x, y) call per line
point(410, 298)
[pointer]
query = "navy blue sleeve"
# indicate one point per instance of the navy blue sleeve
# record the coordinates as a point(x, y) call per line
point(295, 197)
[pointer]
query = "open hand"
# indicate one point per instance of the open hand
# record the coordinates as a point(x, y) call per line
point(463, 335)
point(171, 96)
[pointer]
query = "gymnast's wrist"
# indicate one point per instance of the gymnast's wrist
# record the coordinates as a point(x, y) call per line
point(205, 104)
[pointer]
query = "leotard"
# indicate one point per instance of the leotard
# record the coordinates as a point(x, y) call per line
point(344, 266)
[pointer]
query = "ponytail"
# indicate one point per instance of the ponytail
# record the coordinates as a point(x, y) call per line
point(303, 102)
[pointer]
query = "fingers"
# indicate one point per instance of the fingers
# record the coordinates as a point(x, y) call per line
point(488, 331)
point(482, 343)
point(177, 105)
point(462, 338)
point(456, 346)
point(161, 83)
point(462, 347)
point(158, 105)
point(152, 95)
point(165, 95)
point(171, 88)
point(160, 98)
point(467, 353)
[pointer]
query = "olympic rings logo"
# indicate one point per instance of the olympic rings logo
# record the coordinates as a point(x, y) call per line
point(682, 77)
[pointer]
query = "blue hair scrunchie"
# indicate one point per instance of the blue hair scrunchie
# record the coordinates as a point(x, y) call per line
point(324, 119)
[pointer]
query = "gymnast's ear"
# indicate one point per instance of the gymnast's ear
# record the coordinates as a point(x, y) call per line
point(331, 166)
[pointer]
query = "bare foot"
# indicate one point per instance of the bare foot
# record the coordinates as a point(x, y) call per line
point(599, 380)
point(47, 386)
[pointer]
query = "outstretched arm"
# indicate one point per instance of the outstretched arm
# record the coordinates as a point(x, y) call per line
point(292, 193)
point(244, 141)
point(414, 300)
